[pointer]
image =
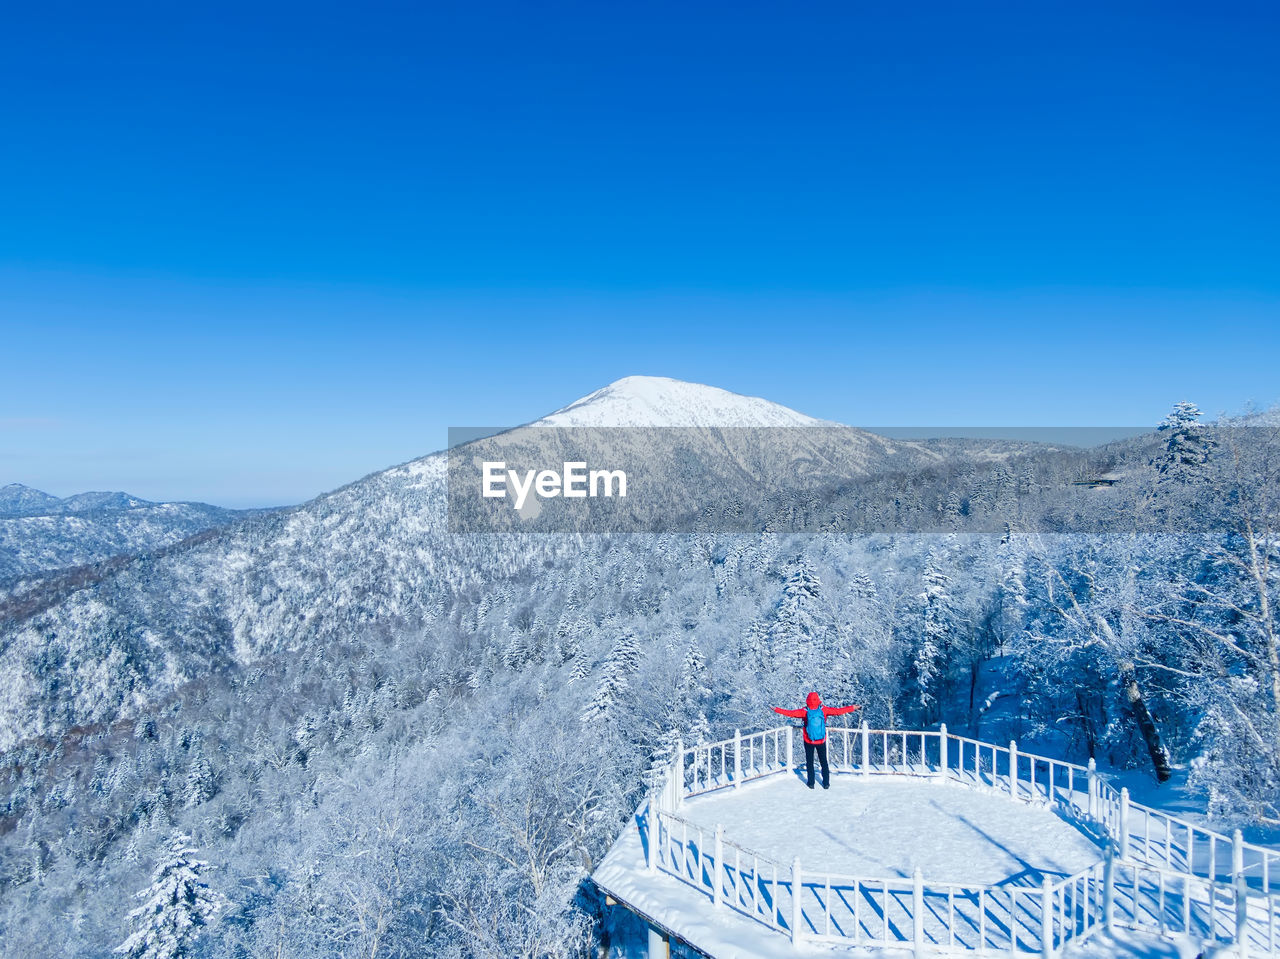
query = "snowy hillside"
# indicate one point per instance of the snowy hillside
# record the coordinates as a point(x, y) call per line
point(373, 551)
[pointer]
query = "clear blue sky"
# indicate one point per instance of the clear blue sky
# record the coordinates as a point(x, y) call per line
point(247, 256)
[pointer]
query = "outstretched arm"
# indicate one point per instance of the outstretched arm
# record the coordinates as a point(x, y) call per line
point(793, 713)
point(838, 710)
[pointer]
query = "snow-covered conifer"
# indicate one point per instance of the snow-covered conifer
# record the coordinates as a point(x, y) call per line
point(175, 907)
point(1187, 448)
point(802, 620)
point(937, 623)
point(614, 677)
point(581, 669)
point(517, 652)
point(201, 783)
point(692, 697)
point(862, 586)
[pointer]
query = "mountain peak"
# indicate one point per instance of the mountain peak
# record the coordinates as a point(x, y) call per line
point(657, 401)
point(19, 500)
point(15, 497)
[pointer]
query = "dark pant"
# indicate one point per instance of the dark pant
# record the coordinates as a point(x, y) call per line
point(821, 750)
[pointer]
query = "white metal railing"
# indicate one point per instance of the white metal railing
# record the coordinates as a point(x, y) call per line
point(1161, 873)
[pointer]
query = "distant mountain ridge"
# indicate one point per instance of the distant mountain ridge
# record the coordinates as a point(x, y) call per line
point(42, 535)
point(16, 499)
point(377, 551)
point(19, 500)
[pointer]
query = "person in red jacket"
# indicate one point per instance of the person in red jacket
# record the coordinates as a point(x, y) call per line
point(815, 731)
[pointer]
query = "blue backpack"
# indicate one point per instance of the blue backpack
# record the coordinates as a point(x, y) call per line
point(815, 725)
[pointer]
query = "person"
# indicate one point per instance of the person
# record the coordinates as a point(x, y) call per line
point(815, 731)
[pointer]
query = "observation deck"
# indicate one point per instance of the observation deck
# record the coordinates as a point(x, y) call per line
point(926, 842)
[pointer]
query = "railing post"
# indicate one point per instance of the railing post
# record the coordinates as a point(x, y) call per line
point(866, 750)
point(1093, 789)
point(917, 912)
point(1046, 918)
point(717, 873)
point(797, 895)
point(1242, 919)
point(942, 750)
point(737, 758)
point(1109, 890)
point(655, 829)
point(1013, 768)
point(659, 947)
point(679, 771)
point(787, 764)
point(1242, 894)
point(1124, 822)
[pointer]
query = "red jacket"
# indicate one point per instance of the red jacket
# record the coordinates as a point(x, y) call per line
point(814, 701)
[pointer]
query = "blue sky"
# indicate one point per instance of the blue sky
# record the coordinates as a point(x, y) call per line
point(249, 254)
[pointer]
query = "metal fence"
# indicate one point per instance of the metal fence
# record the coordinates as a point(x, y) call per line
point(1159, 873)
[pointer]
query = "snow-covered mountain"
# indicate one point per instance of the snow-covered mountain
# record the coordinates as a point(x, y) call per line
point(343, 702)
point(376, 551)
point(19, 500)
point(658, 401)
point(16, 499)
point(691, 453)
point(41, 534)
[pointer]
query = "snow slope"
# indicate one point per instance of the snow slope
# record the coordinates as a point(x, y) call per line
point(660, 401)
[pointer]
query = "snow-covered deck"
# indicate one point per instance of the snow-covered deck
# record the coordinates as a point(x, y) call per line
point(888, 827)
point(928, 842)
point(870, 827)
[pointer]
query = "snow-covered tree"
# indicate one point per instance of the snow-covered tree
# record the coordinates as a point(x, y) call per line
point(938, 624)
point(692, 697)
point(1187, 447)
point(864, 667)
point(614, 678)
point(862, 587)
point(175, 907)
point(1221, 602)
point(753, 643)
point(1012, 596)
point(201, 782)
point(518, 650)
point(580, 670)
point(802, 621)
point(1094, 634)
point(660, 757)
